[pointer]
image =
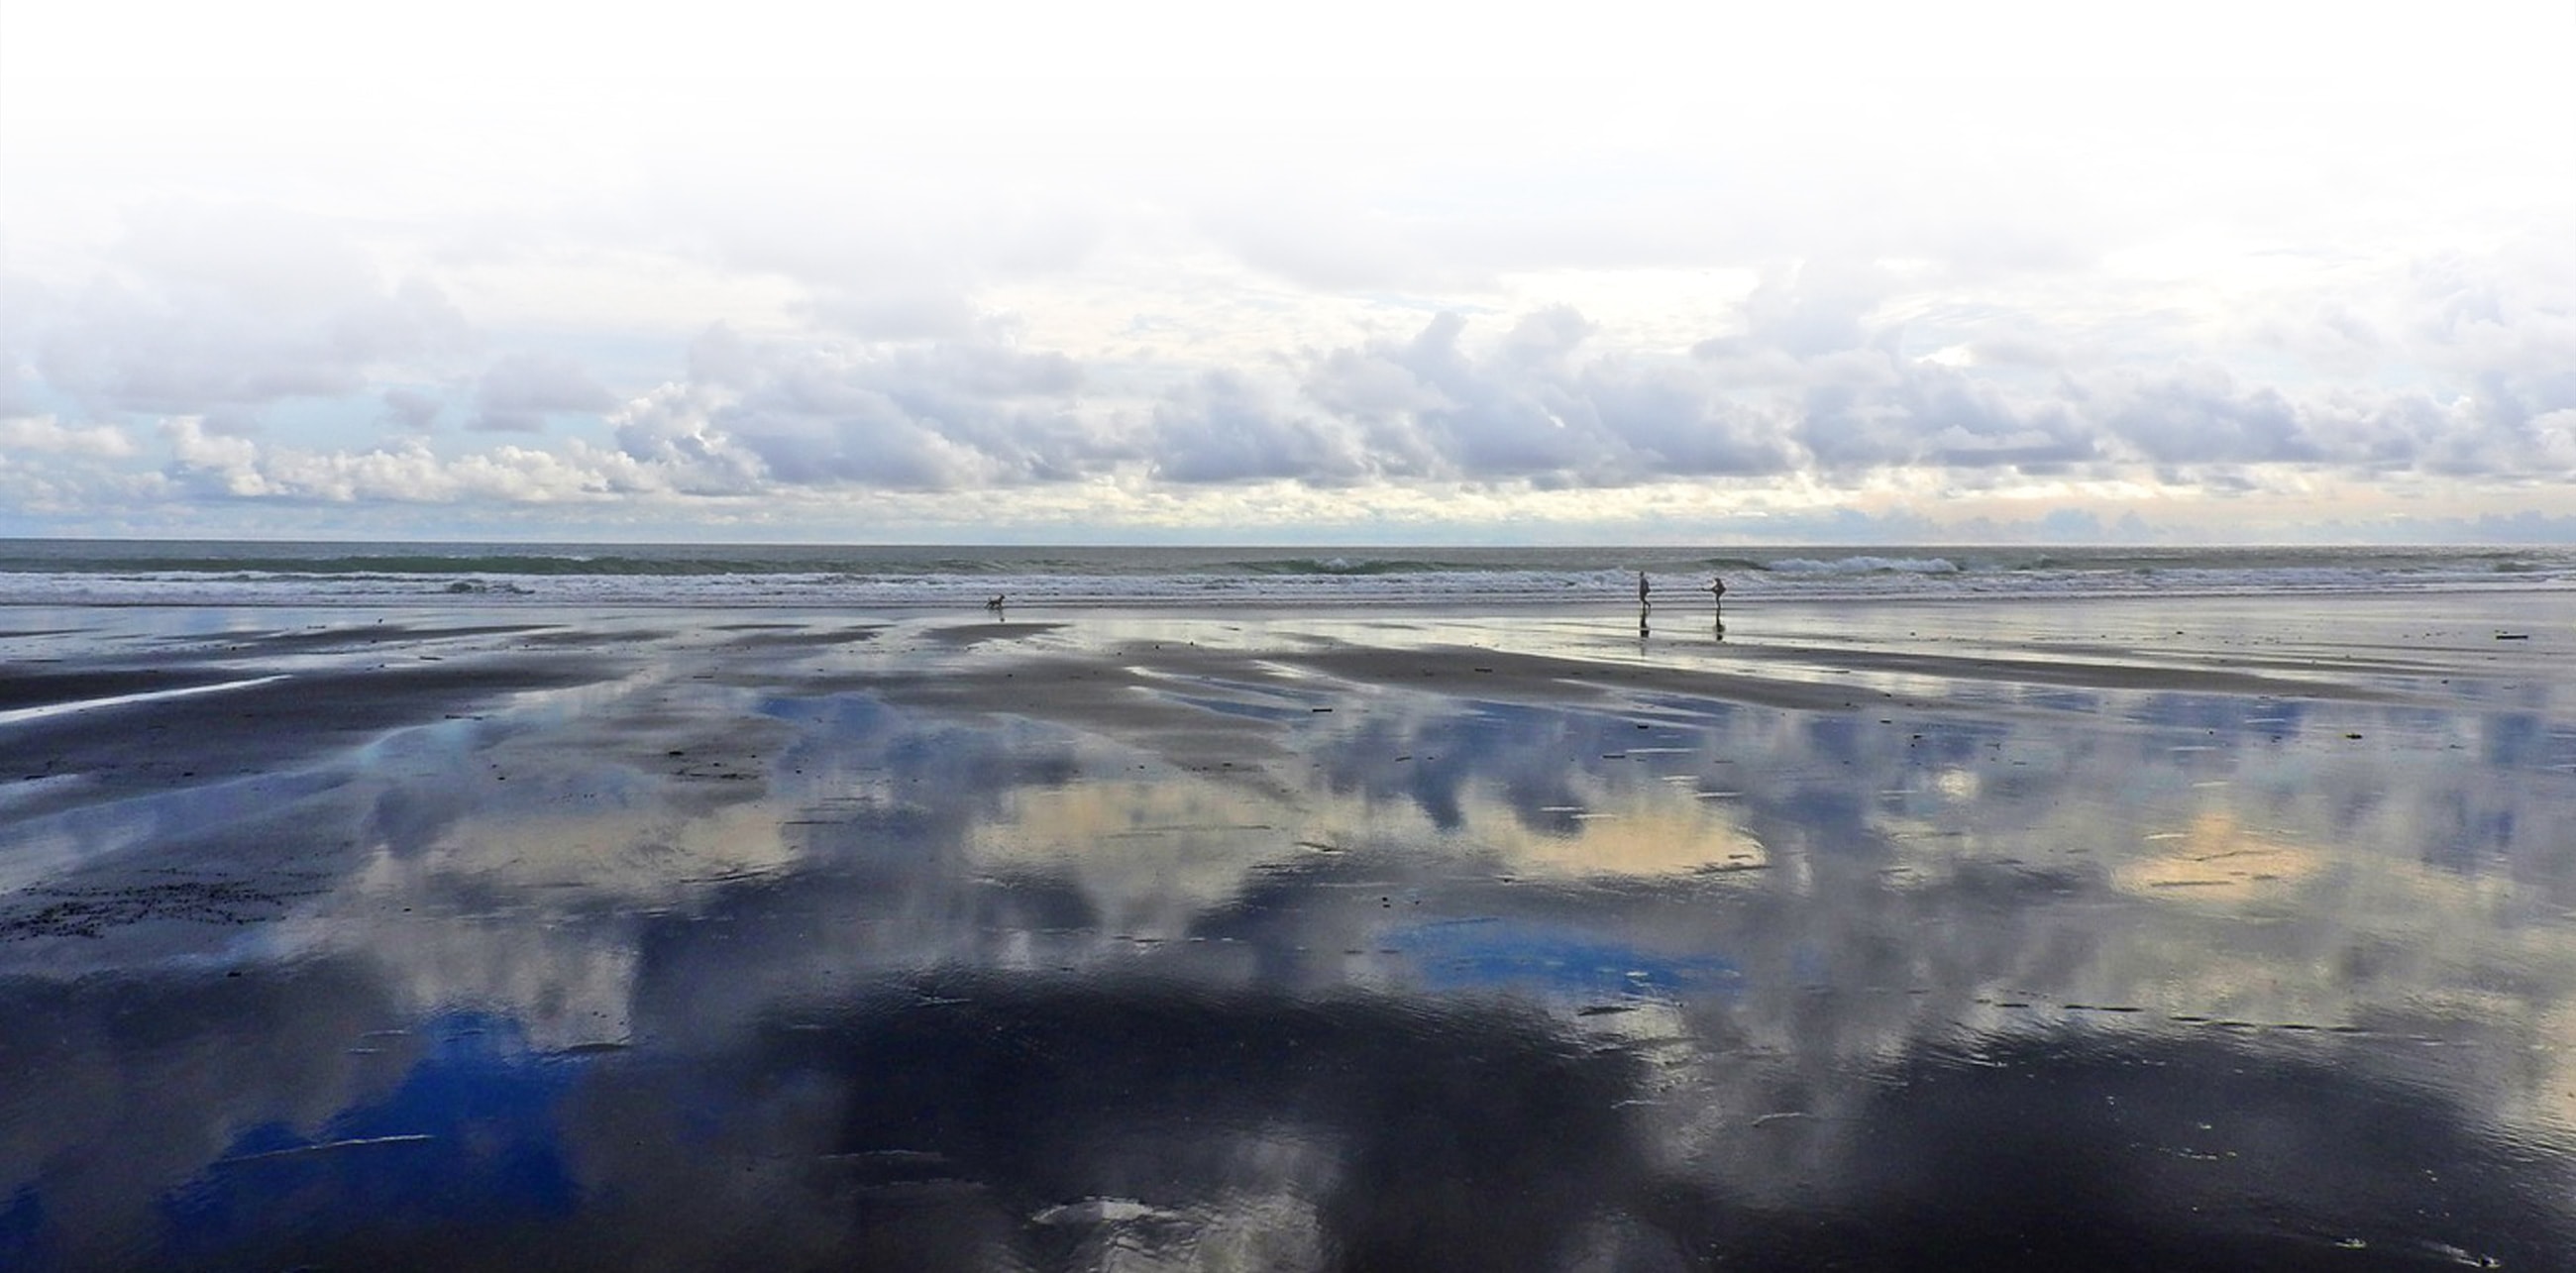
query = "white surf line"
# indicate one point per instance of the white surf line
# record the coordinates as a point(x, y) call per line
point(82, 705)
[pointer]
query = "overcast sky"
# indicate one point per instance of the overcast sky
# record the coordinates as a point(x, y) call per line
point(1344, 272)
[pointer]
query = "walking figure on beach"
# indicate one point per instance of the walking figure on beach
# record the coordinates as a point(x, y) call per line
point(994, 605)
point(1717, 591)
point(1642, 603)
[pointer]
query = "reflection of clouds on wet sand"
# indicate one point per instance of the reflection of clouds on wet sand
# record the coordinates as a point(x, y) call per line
point(118, 1092)
point(984, 1122)
point(2218, 858)
point(976, 1122)
point(1179, 957)
point(1149, 858)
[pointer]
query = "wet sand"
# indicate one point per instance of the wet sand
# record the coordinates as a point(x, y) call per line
point(2217, 934)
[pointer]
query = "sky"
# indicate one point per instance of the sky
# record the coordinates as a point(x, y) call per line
point(1392, 272)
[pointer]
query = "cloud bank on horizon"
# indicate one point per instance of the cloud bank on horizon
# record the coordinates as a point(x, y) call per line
point(1386, 272)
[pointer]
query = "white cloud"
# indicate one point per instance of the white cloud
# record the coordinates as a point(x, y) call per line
point(44, 435)
point(940, 416)
point(519, 390)
point(1814, 394)
point(2555, 436)
point(207, 466)
point(1222, 427)
point(412, 409)
point(203, 308)
point(1000, 257)
point(669, 431)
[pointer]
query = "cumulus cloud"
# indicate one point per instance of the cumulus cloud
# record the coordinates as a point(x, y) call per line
point(2555, 437)
point(44, 435)
point(1814, 383)
point(670, 431)
point(1830, 373)
point(1817, 307)
point(2326, 256)
point(1812, 386)
point(940, 416)
point(209, 466)
point(1533, 408)
point(1221, 427)
point(2505, 325)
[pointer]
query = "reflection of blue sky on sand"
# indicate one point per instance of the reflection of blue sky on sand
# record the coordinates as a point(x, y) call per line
point(466, 1139)
point(1455, 956)
point(697, 907)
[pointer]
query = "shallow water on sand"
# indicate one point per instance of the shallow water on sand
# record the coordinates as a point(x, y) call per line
point(2229, 935)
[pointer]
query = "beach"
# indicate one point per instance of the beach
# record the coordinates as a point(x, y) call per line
point(2126, 932)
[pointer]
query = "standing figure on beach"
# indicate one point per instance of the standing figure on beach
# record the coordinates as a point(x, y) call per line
point(1717, 591)
point(1642, 603)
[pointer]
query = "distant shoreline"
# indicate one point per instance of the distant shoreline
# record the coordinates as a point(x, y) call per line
point(218, 573)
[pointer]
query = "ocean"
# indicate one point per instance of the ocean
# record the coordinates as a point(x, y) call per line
point(41, 572)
